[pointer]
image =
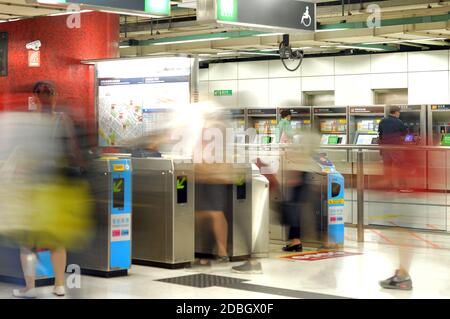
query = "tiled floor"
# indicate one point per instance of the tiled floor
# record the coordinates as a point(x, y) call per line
point(353, 276)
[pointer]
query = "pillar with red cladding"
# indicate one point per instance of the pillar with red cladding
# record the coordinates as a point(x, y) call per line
point(61, 53)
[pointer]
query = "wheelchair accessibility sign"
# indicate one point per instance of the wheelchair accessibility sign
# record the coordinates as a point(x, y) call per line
point(306, 18)
point(278, 14)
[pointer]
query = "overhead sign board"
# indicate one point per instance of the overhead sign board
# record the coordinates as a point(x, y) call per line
point(276, 14)
point(148, 7)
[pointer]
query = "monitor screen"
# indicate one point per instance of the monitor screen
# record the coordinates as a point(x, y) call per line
point(366, 139)
point(409, 138)
point(445, 141)
point(333, 140)
point(119, 193)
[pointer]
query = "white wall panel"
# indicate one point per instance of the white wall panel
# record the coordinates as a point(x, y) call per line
point(227, 101)
point(428, 61)
point(428, 87)
point(318, 66)
point(204, 74)
point(203, 91)
point(389, 62)
point(318, 83)
point(285, 92)
point(353, 90)
point(389, 81)
point(253, 93)
point(359, 64)
point(253, 70)
point(277, 70)
point(223, 71)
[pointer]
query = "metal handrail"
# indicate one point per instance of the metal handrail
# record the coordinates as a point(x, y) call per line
point(352, 147)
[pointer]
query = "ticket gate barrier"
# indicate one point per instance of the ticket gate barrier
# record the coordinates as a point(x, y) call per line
point(239, 218)
point(322, 208)
point(109, 252)
point(163, 212)
point(260, 214)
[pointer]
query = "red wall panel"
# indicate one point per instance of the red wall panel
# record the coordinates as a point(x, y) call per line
point(61, 52)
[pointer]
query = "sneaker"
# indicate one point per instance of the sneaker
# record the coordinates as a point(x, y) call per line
point(222, 260)
point(248, 268)
point(59, 291)
point(202, 263)
point(293, 248)
point(397, 282)
point(26, 294)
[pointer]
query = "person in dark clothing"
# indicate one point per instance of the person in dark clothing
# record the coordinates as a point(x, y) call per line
point(392, 131)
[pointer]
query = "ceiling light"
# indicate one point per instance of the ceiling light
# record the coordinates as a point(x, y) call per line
point(226, 53)
point(267, 34)
point(258, 53)
point(68, 13)
point(406, 40)
point(360, 48)
point(190, 41)
point(325, 30)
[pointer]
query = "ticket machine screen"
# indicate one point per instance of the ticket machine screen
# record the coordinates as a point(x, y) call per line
point(445, 140)
point(367, 139)
point(409, 138)
point(119, 193)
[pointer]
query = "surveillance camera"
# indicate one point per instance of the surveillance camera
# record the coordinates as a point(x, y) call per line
point(35, 45)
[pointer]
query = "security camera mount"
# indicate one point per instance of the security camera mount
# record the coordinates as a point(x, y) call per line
point(288, 54)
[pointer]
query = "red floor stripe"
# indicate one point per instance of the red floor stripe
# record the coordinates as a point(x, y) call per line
point(420, 238)
point(382, 236)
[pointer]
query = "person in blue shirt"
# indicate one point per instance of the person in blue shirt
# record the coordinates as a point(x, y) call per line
point(392, 131)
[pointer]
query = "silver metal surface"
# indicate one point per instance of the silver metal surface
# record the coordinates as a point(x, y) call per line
point(96, 255)
point(163, 228)
point(260, 215)
point(239, 219)
point(360, 198)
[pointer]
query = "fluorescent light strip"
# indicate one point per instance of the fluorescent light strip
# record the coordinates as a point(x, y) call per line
point(359, 48)
point(339, 29)
point(405, 40)
point(68, 13)
point(257, 53)
point(190, 41)
point(227, 53)
point(267, 34)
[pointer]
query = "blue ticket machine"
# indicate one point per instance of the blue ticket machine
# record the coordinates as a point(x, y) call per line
point(334, 202)
point(109, 253)
point(322, 212)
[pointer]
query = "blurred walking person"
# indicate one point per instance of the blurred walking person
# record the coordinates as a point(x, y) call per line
point(56, 210)
point(392, 131)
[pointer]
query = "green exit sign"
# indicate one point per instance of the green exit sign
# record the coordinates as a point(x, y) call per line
point(223, 92)
point(159, 7)
point(227, 10)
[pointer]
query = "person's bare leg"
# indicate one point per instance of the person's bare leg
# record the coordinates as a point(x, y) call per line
point(59, 261)
point(220, 230)
point(28, 260)
point(404, 253)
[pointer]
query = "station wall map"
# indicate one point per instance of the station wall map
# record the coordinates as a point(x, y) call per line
point(130, 108)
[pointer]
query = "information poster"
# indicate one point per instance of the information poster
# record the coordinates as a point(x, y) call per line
point(136, 100)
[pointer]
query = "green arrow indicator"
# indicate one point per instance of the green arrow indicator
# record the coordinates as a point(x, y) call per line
point(181, 182)
point(241, 181)
point(118, 186)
